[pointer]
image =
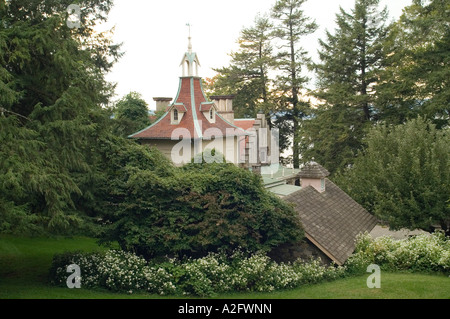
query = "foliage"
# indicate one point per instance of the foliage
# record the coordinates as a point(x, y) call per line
point(247, 76)
point(332, 136)
point(240, 271)
point(212, 274)
point(416, 79)
point(403, 175)
point(28, 180)
point(291, 25)
point(418, 253)
point(131, 115)
point(52, 87)
point(350, 63)
point(156, 209)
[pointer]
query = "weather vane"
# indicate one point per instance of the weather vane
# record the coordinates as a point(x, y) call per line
point(189, 38)
point(189, 26)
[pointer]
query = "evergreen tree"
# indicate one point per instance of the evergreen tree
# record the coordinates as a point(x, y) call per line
point(291, 26)
point(416, 80)
point(131, 115)
point(350, 63)
point(247, 77)
point(52, 87)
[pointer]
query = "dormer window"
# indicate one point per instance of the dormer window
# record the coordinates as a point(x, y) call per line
point(177, 113)
point(209, 112)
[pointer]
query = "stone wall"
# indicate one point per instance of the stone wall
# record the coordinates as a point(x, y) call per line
point(304, 250)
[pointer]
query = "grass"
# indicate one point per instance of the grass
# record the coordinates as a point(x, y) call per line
point(24, 265)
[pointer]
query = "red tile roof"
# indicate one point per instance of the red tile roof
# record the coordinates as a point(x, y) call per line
point(194, 122)
point(180, 108)
point(206, 106)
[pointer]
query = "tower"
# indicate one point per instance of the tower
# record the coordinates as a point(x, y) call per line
point(190, 62)
point(191, 123)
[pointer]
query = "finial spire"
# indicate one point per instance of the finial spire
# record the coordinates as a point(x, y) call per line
point(190, 60)
point(189, 38)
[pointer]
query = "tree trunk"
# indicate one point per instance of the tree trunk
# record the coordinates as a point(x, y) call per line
point(295, 111)
point(365, 104)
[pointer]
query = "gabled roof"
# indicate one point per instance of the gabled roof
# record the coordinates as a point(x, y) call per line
point(206, 106)
point(178, 106)
point(190, 97)
point(331, 219)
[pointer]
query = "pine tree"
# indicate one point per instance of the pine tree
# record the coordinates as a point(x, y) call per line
point(52, 89)
point(292, 25)
point(350, 63)
point(247, 76)
point(416, 80)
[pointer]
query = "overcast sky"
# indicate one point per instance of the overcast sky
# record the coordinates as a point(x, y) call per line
point(154, 36)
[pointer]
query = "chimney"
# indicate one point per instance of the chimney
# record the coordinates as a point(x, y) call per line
point(162, 103)
point(312, 174)
point(264, 137)
point(224, 104)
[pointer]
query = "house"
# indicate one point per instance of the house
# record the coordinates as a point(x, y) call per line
point(192, 124)
point(331, 219)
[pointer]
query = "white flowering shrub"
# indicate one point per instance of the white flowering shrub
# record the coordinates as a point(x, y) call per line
point(121, 271)
point(313, 271)
point(215, 273)
point(158, 280)
point(218, 273)
point(251, 273)
point(88, 263)
point(199, 275)
point(418, 253)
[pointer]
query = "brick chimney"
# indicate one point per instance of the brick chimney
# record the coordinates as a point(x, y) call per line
point(162, 103)
point(224, 104)
point(312, 174)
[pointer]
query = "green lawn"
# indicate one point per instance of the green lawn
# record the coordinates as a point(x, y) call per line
point(24, 265)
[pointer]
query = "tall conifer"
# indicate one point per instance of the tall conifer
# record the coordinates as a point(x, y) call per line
point(290, 28)
point(247, 77)
point(52, 88)
point(350, 62)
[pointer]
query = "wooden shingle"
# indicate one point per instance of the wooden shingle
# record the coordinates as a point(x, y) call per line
point(331, 220)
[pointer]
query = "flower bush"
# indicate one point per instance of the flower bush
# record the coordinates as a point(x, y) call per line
point(418, 253)
point(215, 273)
point(219, 272)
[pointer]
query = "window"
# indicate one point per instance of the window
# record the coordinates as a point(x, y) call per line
point(175, 115)
point(211, 114)
point(322, 184)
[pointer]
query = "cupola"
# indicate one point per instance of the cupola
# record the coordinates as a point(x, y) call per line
point(190, 61)
point(313, 174)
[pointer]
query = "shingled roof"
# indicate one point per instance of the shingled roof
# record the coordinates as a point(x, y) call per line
point(313, 170)
point(331, 219)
